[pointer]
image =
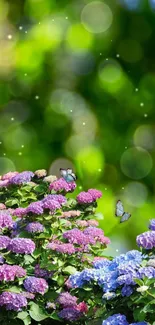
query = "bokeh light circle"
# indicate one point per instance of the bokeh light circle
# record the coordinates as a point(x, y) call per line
point(6, 165)
point(136, 163)
point(144, 136)
point(60, 163)
point(135, 194)
point(96, 17)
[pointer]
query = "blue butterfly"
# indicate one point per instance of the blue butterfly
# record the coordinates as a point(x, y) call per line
point(120, 212)
point(68, 175)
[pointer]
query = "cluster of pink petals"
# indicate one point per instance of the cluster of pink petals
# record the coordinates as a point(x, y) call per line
point(2, 206)
point(5, 220)
point(9, 175)
point(19, 212)
point(84, 223)
point(62, 248)
point(61, 185)
point(88, 197)
point(21, 246)
point(10, 272)
point(72, 213)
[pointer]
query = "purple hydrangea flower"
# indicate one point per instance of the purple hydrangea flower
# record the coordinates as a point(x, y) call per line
point(84, 197)
point(62, 248)
point(148, 272)
point(35, 207)
point(21, 246)
point(10, 272)
point(116, 319)
point(42, 273)
point(97, 234)
point(52, 205)
point(152, 224)
point(33, 227)
point(5, 220)
point(4, 242)
point(70, 314)
point(126, 291)
point(61, 185)
point(19, 212)
point(146, 239)
point(1, 259)
point(76, 236)
point(66, 299)
point(13, 301)
point(28, 295)
point(96, 194)
point(35, 285)
point(56, 197)
point(22, 178)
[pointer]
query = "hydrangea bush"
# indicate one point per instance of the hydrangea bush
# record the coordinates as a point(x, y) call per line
point(53, 267)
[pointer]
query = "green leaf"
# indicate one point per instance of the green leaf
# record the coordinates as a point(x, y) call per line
point(28, 259)
point(14, 289)
point(37, 313)
point(51, 295)
point(139, 282)
point(60, 280)
point(70, 270)
point(11, 202)
point(54, 316)
point(37, 253)
point(22, 315)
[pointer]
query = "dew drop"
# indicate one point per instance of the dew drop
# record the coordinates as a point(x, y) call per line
point(136, 89)
point(84, 123)
point(36, 97)
point(19, 153)
point(117, 55)
point(141, 104)
point(145, 115)
point(9, 36)
point(20, 27)
point(12, 119)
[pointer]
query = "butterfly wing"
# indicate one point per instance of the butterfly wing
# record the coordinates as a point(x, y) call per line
point(125, 217)
point(63, 172)
point(69, 171)
point(119, 209)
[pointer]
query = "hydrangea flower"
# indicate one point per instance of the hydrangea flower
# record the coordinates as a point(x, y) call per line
point(34, 227)
point(61, 185)
point(116, 319)
point(4, 183)
point(71, 213)
point(42, 273)
point(126, 291)
point(93, 223)
point(148, 272)
point(4, 242)
point(2, 206)
point(35, 285)
point(70, 313)
point(146, 239)
point(19, 212)
point(76, 236)
point(22, 178)
point(152, 224)
point(62, 248)
point(66, 299)
point(5, 220)
point(21, 246)
point(40, 173)
point(10, 272)
point(13, 301)
point(51, 205)
point(50, 179)
point(96, 194)
point(9, 175)
point(84, 198)
point(36, 208)
point(56, 197)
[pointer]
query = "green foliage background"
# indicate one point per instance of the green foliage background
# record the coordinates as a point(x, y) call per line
point(73, 96)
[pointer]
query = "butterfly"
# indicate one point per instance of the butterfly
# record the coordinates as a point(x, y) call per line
point(119, 212)
point(68, 175)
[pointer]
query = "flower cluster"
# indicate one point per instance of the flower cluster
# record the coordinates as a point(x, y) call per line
point(35, 285)
point(118, 319)
point(71, 310)
point(21, 246)
point(5, 220)
point(61, 185)
point(88, 197)
point(21, 178)
point(13, 301)
point(34, 227)
point(10, 272)
point(147, 239)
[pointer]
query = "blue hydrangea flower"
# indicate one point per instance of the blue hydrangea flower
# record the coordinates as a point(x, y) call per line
point(116, 319)
point(126, 291)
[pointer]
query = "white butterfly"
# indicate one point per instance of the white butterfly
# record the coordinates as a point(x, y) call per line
point(68, 175)
point(119, 212)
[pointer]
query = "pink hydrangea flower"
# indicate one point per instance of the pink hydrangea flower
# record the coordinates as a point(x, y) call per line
point(61, 185)
point(84, 197)
point(9, 175)
point(96, 194)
